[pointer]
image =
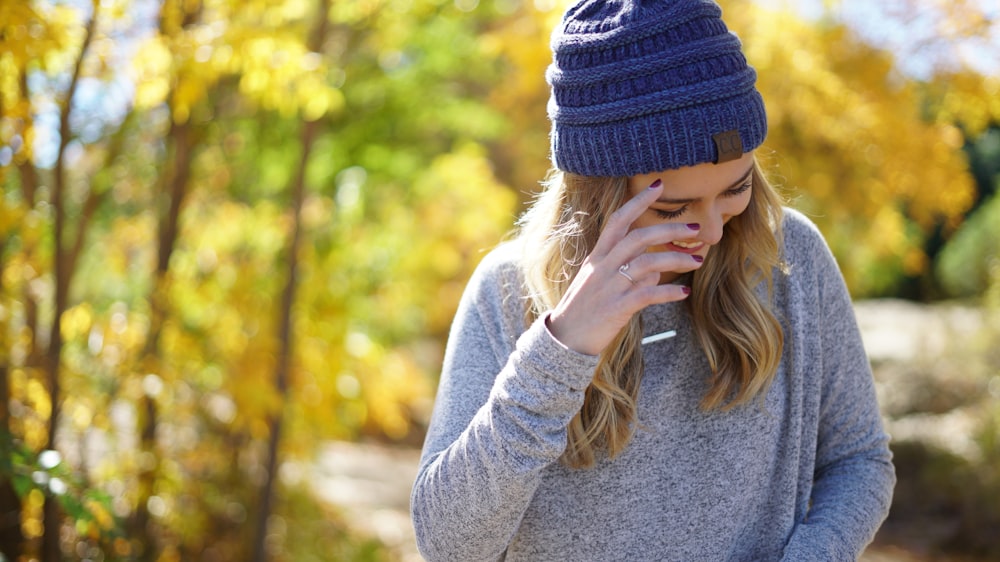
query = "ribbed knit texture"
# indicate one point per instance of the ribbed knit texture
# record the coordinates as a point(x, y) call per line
point(641, 86)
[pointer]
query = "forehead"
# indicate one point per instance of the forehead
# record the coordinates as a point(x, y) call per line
point(693, 181)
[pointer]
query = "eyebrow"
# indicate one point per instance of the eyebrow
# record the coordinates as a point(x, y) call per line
point(736, 184)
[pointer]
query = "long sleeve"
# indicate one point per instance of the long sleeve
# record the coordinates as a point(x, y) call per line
point(814, 479)
point(503, 405)
point(854, 476)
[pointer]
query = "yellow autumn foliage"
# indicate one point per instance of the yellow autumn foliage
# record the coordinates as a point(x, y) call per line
point(850, 136)
point(851, 142)
point(427, 129)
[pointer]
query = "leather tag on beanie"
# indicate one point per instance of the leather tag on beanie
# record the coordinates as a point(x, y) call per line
point(728, 145)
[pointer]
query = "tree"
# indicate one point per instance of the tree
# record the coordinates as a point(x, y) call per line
point(285, 334)
point(872, 154)
point(244, 227)
point(179, 179)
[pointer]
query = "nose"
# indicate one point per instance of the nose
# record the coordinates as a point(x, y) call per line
point(711, 226)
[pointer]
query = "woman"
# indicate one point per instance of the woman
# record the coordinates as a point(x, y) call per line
point(664, 363)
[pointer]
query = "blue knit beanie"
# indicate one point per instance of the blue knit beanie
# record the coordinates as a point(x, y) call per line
point(640, 86)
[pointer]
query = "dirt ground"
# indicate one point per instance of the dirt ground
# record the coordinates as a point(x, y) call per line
point(371, 483)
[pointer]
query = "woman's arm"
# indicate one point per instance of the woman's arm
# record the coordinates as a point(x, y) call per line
point(502, 409)
point(498, 422)
point(854, 476)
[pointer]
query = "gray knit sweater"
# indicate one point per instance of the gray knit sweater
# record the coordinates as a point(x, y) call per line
point(806, 477)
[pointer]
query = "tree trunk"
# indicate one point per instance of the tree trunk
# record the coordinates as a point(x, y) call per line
point(11, 538)
point(286, 337)
point(176, 187)
point(63, 275)
point(286, 345)
point(29, 187)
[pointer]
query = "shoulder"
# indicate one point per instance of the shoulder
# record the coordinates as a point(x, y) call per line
point(800, 233)
point(495, 290)
point(491, 312)
point(502, 259)
point(804, 247)
point(500, 269)
point(807, 261)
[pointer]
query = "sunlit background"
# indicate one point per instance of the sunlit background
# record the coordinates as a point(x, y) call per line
point(233, 234)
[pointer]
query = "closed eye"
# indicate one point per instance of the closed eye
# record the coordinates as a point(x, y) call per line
point(675, 213)
point(737, 190)
point(663, 214)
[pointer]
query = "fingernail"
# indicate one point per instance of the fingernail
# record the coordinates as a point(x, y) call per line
point(697, 258)
point(694, 226)
point(655, 184)
point(686, 290)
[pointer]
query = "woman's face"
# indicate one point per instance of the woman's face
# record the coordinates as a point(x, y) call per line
point(707, 194)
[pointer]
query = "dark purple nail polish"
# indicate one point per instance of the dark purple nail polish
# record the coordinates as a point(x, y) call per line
point(686, 290)
point(694, 226)
point(655, 184)
point(697, 258)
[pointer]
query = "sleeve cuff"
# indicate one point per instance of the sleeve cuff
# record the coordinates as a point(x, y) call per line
point(548, 356)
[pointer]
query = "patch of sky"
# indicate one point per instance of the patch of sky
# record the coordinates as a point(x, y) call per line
point(913, 36)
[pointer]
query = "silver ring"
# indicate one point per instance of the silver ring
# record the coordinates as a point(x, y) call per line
point(623, 271)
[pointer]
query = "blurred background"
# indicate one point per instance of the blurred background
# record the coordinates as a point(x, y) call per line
point(233, 234)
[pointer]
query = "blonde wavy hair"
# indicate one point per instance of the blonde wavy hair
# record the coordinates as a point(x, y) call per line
point(737, 330)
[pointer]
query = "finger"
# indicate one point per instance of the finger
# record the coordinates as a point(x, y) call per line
point(661, 262)
point(658, 294)
point(637, 241)
point(621, 220)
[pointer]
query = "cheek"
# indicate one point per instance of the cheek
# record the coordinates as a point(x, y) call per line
point(736, 205)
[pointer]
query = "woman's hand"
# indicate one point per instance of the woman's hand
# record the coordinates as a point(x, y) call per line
point(602, 298)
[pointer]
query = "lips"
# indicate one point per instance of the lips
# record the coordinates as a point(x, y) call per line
point(685, 247)
point(688, 245)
